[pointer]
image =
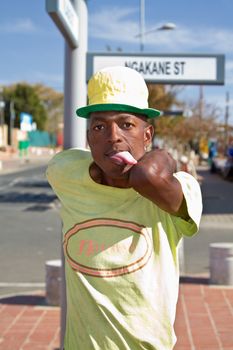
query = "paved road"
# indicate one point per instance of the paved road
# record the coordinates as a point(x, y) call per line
point(30, 230)
point(216, 224)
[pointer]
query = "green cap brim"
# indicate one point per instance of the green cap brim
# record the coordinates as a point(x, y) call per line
point(84, 112)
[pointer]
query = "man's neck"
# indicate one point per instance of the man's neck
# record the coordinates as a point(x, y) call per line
point(98, 176)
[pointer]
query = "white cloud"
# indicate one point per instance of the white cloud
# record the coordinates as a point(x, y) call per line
point(53, 80)
point(119, 28)
point(229, 65)
point(123, 28)
point(207, 39)
point(229, 72)
point(5, 82)
point(21, 25)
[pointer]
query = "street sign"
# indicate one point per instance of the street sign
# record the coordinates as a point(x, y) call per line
point(2, 104)
point(64, 15)
point(25, 121)
point(185, 69)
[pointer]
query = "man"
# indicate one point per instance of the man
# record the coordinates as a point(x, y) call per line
point(124, 212)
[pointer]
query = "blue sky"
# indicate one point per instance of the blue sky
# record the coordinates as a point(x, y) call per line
point(32, 48)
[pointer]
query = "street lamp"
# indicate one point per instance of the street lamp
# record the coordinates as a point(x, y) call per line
point(165, 26)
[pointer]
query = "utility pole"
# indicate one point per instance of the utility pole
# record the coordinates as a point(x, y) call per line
point(2, 107)
point(11, 123)
point(143, 31)
point(142, 24)
point(226, 122)
point(201, 103)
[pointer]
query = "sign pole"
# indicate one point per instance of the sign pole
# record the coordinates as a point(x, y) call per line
point(75, 83)
point(71, 18)
point(74, 127)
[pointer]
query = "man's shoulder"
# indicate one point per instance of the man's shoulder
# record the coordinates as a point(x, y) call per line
point(70, 156)
point(68, 162)
point(185, 177)
point(193, 197)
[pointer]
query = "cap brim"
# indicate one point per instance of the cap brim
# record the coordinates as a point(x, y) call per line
point(84, 112)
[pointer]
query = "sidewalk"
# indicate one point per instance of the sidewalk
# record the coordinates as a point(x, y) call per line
point(12, 162)
point(204, 320)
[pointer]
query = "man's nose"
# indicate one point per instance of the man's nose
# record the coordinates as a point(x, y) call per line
point(114, 133)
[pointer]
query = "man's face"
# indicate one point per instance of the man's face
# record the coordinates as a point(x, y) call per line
point(113, 132)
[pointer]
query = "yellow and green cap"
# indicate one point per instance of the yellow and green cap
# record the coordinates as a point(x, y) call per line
point(117, 88)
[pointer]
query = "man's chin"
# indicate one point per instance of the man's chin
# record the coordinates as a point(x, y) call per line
point(118, 172)
point(118, 177)
point(110, 174)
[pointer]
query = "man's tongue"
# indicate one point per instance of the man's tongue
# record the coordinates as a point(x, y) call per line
point(123, 158)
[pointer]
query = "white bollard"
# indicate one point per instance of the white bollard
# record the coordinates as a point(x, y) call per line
point(229, 271)
point(181, 257)
point(53, 282)
point(221, 263)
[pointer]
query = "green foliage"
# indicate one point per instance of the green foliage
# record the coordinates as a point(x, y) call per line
point(25, 100)
point(163, 97)
point(53, 102)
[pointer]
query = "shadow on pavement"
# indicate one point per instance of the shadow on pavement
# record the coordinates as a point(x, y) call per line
point(194, 279)
point(24, 299)
point(26, 197)
point(217, 193)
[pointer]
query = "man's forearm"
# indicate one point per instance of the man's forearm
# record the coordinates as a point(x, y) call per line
point(166, 192)
point(153, 178)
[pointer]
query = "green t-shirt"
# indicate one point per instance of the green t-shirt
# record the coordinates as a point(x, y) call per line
point(121, 259)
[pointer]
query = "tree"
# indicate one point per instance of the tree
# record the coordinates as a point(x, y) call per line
point(53, 102)
point(182, 131)
point(163, 97)
point(25, 100)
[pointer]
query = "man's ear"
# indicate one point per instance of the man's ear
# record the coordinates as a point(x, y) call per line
point(148, 135)
point(88, 128)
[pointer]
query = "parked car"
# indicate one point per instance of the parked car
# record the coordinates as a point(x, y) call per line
point(227, 171)
point(222, 166)
point(217, 164)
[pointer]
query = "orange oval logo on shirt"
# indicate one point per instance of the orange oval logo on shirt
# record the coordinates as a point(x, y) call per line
point(107, 247)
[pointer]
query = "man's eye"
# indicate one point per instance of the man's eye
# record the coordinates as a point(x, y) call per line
point(128, 125)
point(98, 127)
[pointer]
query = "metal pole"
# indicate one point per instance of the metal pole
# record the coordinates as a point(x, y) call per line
point(75, 95)
point(75, 83)
point(2, 106)
point(142, 24)
point(2, 126)
point(11, 123)
point(226, 121)
point(201, 102)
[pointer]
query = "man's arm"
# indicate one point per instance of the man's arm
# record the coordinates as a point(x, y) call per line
point(153, 178)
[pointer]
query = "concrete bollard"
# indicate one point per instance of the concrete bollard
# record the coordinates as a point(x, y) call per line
point(181, 257)
point(221, 263)
point(229, 271)
point(53, 282)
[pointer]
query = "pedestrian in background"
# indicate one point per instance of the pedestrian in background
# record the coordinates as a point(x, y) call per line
point(124, 211)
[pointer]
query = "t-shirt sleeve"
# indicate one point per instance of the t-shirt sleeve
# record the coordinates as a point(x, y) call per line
point(55, 170)
point(66, 169)
point(192, 194)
